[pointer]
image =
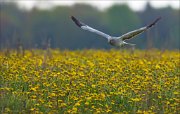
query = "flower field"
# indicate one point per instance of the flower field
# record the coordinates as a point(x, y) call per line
point(90, 81)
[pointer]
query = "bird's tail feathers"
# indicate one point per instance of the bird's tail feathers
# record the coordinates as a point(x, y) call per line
point(131, 44)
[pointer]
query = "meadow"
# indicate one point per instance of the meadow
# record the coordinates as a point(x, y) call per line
point(90, 81)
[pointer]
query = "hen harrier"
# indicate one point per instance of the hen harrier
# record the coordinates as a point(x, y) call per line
point(115, 41)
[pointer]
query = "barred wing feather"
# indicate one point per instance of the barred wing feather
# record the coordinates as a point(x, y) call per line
point(136, 32)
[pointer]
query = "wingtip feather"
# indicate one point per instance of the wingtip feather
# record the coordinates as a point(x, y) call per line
point(73, 18)
point(77, 22)
point(153, 23)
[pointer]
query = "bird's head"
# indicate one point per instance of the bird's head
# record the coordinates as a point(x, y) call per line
point(112, 41)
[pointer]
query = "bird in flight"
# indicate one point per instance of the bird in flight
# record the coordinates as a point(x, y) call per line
point(115, 41)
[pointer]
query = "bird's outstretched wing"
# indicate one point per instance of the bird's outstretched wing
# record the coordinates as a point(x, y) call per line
point(88, 28)
point(134, 33)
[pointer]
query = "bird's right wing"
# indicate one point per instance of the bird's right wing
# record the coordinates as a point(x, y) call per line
point(88, 28)
point(136, 32)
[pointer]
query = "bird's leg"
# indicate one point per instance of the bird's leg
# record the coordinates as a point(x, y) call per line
point(132, 49)
point(120, 49)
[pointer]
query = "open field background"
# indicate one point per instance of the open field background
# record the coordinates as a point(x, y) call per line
point(39, 73)
point(90, 81)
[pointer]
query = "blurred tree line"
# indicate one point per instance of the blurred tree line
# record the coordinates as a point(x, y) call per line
point(34, 28)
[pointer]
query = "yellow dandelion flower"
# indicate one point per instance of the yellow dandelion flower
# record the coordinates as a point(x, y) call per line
point(86, 103)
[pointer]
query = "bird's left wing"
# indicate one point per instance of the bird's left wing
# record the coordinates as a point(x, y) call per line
point(88, 28)
point(134, 33)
